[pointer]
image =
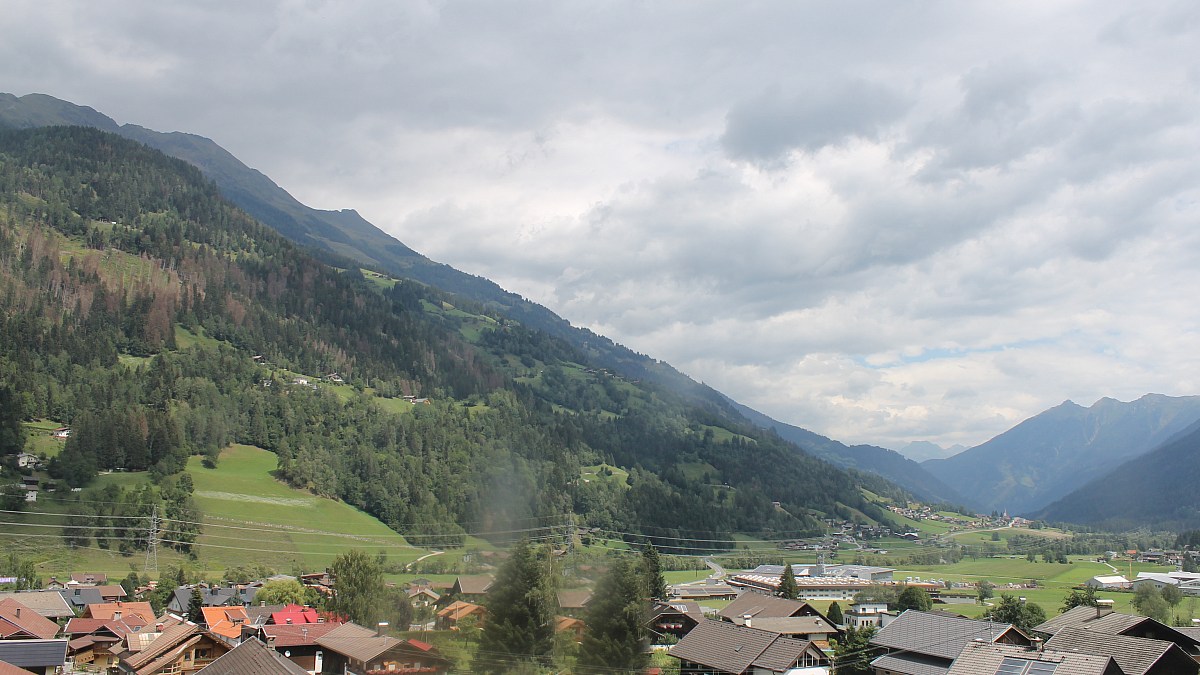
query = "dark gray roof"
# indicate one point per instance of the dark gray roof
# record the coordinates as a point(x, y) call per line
point(720, 645)
point(33, 653)
point(936, 634)
point(217, 596)
point(1135, 655)
point(911, 664)
point(985, 659)
point(81, 596)
point(252, 657)
point(1116, 623)
point(760, 605)
point(1087, 617)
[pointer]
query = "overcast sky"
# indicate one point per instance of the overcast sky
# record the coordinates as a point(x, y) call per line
point(882, 221)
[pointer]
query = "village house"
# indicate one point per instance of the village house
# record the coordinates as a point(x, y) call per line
point(981, 657)
point(96, 642)
point(89, 578)
point(1103, 620)
point(296, 614)
point(44, 657)
point(296, 642)
point(354, 650)
point(752, 605)
point(181, 648)
point(1135, 655)
point(863, 614)
point(569, 624)
point(49, 604)
point(449, 616)
point(574, 602)
point(471, 588)
point(422, 596)
point(214, 596)
point(673, 618)
point(225, 622)
point(120, 610)
point(252, 657)
point(18, 622)
point(909, 650)
point(720, 647)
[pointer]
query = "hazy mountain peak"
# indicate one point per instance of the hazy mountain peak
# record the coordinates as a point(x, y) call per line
point(1056, 451)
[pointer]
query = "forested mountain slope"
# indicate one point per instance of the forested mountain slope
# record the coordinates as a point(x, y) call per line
point(111, 252)
point(1061, 449)
point(337, 236)
point(1156, 490)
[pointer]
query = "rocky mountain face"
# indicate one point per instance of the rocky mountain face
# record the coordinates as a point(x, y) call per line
point(1049, 455)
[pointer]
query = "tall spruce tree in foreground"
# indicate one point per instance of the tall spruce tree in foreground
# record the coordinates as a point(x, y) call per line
point(519, 630)
point(787, 584)
point(656, 583)
point(616, 623)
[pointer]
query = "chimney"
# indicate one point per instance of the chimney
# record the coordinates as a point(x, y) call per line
point(18, 612)
point(116, 616)
point(746, 618)
point(381, 629)
point(1103, 607)
point(289, 621)
point(1035, 644)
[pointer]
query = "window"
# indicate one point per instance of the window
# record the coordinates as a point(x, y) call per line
point(1011, 666)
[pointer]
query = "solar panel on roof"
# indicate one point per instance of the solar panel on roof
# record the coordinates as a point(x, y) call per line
point(1011, 666)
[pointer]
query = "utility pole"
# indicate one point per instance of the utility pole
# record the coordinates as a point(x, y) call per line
point(152, 544)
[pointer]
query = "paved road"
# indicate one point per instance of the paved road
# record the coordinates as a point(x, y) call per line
point(718, 571)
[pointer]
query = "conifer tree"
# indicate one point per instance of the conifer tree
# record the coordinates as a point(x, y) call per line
point(835, 614)
point(787, 584)
point(616, 623)
point(656, 583)
point(520, 620)
point(196, 606)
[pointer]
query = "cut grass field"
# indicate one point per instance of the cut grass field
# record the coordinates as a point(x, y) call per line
point(249, 516)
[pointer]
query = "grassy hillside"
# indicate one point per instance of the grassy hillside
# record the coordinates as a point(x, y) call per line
point(250, 516)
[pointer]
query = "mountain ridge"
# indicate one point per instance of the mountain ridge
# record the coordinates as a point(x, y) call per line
point(344, 235)
point(1060, 449)
point(1155, 489)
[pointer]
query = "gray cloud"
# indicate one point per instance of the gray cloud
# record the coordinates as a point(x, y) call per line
point(883, 222)
point(768, 126)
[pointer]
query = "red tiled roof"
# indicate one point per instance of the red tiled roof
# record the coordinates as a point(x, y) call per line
point(17, 618)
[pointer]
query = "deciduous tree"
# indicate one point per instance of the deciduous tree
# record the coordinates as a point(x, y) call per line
point(358, 588)
point(914, 597)
point(1014, 610)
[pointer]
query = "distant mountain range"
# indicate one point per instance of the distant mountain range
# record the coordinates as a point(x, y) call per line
point(1156, 490)
point(919, 451)
point(887, 463)
point(1051, 454)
